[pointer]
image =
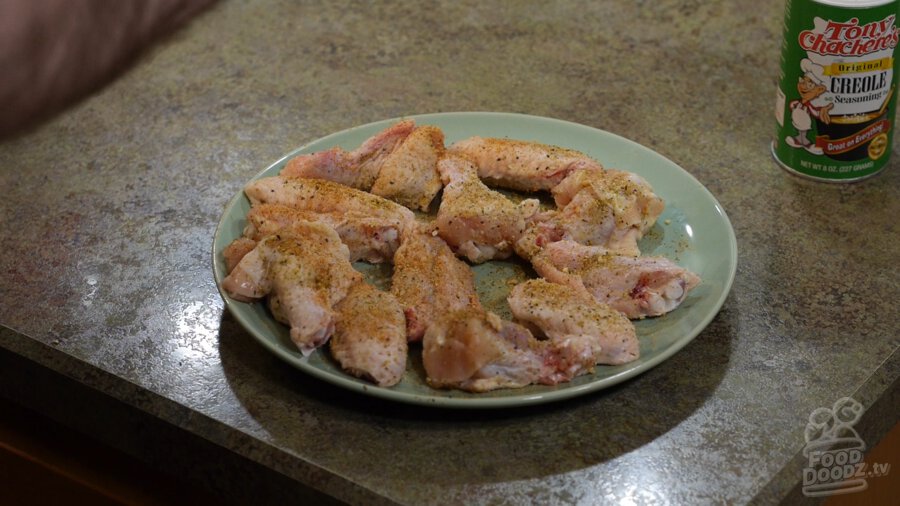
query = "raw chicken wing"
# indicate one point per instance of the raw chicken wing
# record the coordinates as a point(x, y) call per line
point(235, 251)
point(521, 165)
point(370, 335)
point(594, 221)
point(585, 220)
point(358, 168)
point(409, 173)
point(583, 331)
point(629, 195)
point(608, 208)
point(636, 286)
point(321, 196)
point(476, 351)
point(477, 222)
point(374, 239)
point(307, 274)
point(430, 281)
point(249, 280)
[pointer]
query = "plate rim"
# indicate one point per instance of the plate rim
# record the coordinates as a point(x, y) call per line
point(487, 402)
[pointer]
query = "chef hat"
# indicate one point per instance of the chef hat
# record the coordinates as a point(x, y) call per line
point(813, 71)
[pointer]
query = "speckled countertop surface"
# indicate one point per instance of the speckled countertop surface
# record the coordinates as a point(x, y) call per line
point(109, 211)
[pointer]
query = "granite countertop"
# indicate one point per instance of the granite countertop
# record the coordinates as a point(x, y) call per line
point(111, 320)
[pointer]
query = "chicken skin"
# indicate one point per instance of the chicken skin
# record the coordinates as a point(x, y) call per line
point(307, 274)
point(608, 208)
point(585, 220)
point(636, 286)
point(521, 165)
point(584, 331)
point(235, 252)
point(397, 163)
point(594, 221)
point(370, 335)
point(476, 351)
point(321, 196)
point(631, 198)
point(358, 168)
point(429, 281)
point(372, 239)
point(409, 173)
point(477, 222)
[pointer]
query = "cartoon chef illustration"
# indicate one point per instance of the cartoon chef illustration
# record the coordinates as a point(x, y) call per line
point(811, 86)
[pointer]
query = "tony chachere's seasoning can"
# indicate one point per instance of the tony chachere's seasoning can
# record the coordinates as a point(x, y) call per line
point(837, 92)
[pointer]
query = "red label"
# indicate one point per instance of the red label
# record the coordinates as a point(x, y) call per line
point(851, 39)
point(844, 144)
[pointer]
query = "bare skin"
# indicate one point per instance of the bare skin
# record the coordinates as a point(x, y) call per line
point(54, 52)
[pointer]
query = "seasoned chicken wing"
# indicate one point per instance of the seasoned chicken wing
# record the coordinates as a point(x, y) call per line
point(429, 281)
point(374, 239)
point(585, 220)
point(409, 173)
point(370, 335)
point(249, 280)
point(307, 274)
point(636, 286)
point(521, 165)
point(477, 222)
point(584, 331)
point(629, 195)
point(321, 196)
point(594, 221)
point(235, 251)
point(358, 168)
point(608, 208)
point(476, 351)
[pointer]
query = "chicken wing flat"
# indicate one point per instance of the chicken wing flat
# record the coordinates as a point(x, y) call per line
point(476, 351)
point(630, 196)
point(370, 335)
point(585, 220)
point(480, 224)
point(409, 173)
point(321, 196)
point(308, 274)
point(373, 239)
point(636, 286)
point(358, 168)
point(608, 208)
point(594, 221)
point(521, 165)
point(584, 331)
point(429, 281)
point(235, 252)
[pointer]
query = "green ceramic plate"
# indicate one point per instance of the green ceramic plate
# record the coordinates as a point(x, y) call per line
point(694, 231)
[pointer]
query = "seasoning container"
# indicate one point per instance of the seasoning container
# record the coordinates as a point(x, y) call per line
point(837, 93)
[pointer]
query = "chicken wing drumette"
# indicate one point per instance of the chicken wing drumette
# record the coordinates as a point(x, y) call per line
point(477, 222)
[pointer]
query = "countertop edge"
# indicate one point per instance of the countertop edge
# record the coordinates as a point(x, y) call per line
point(143, 424)
point(880, 395)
